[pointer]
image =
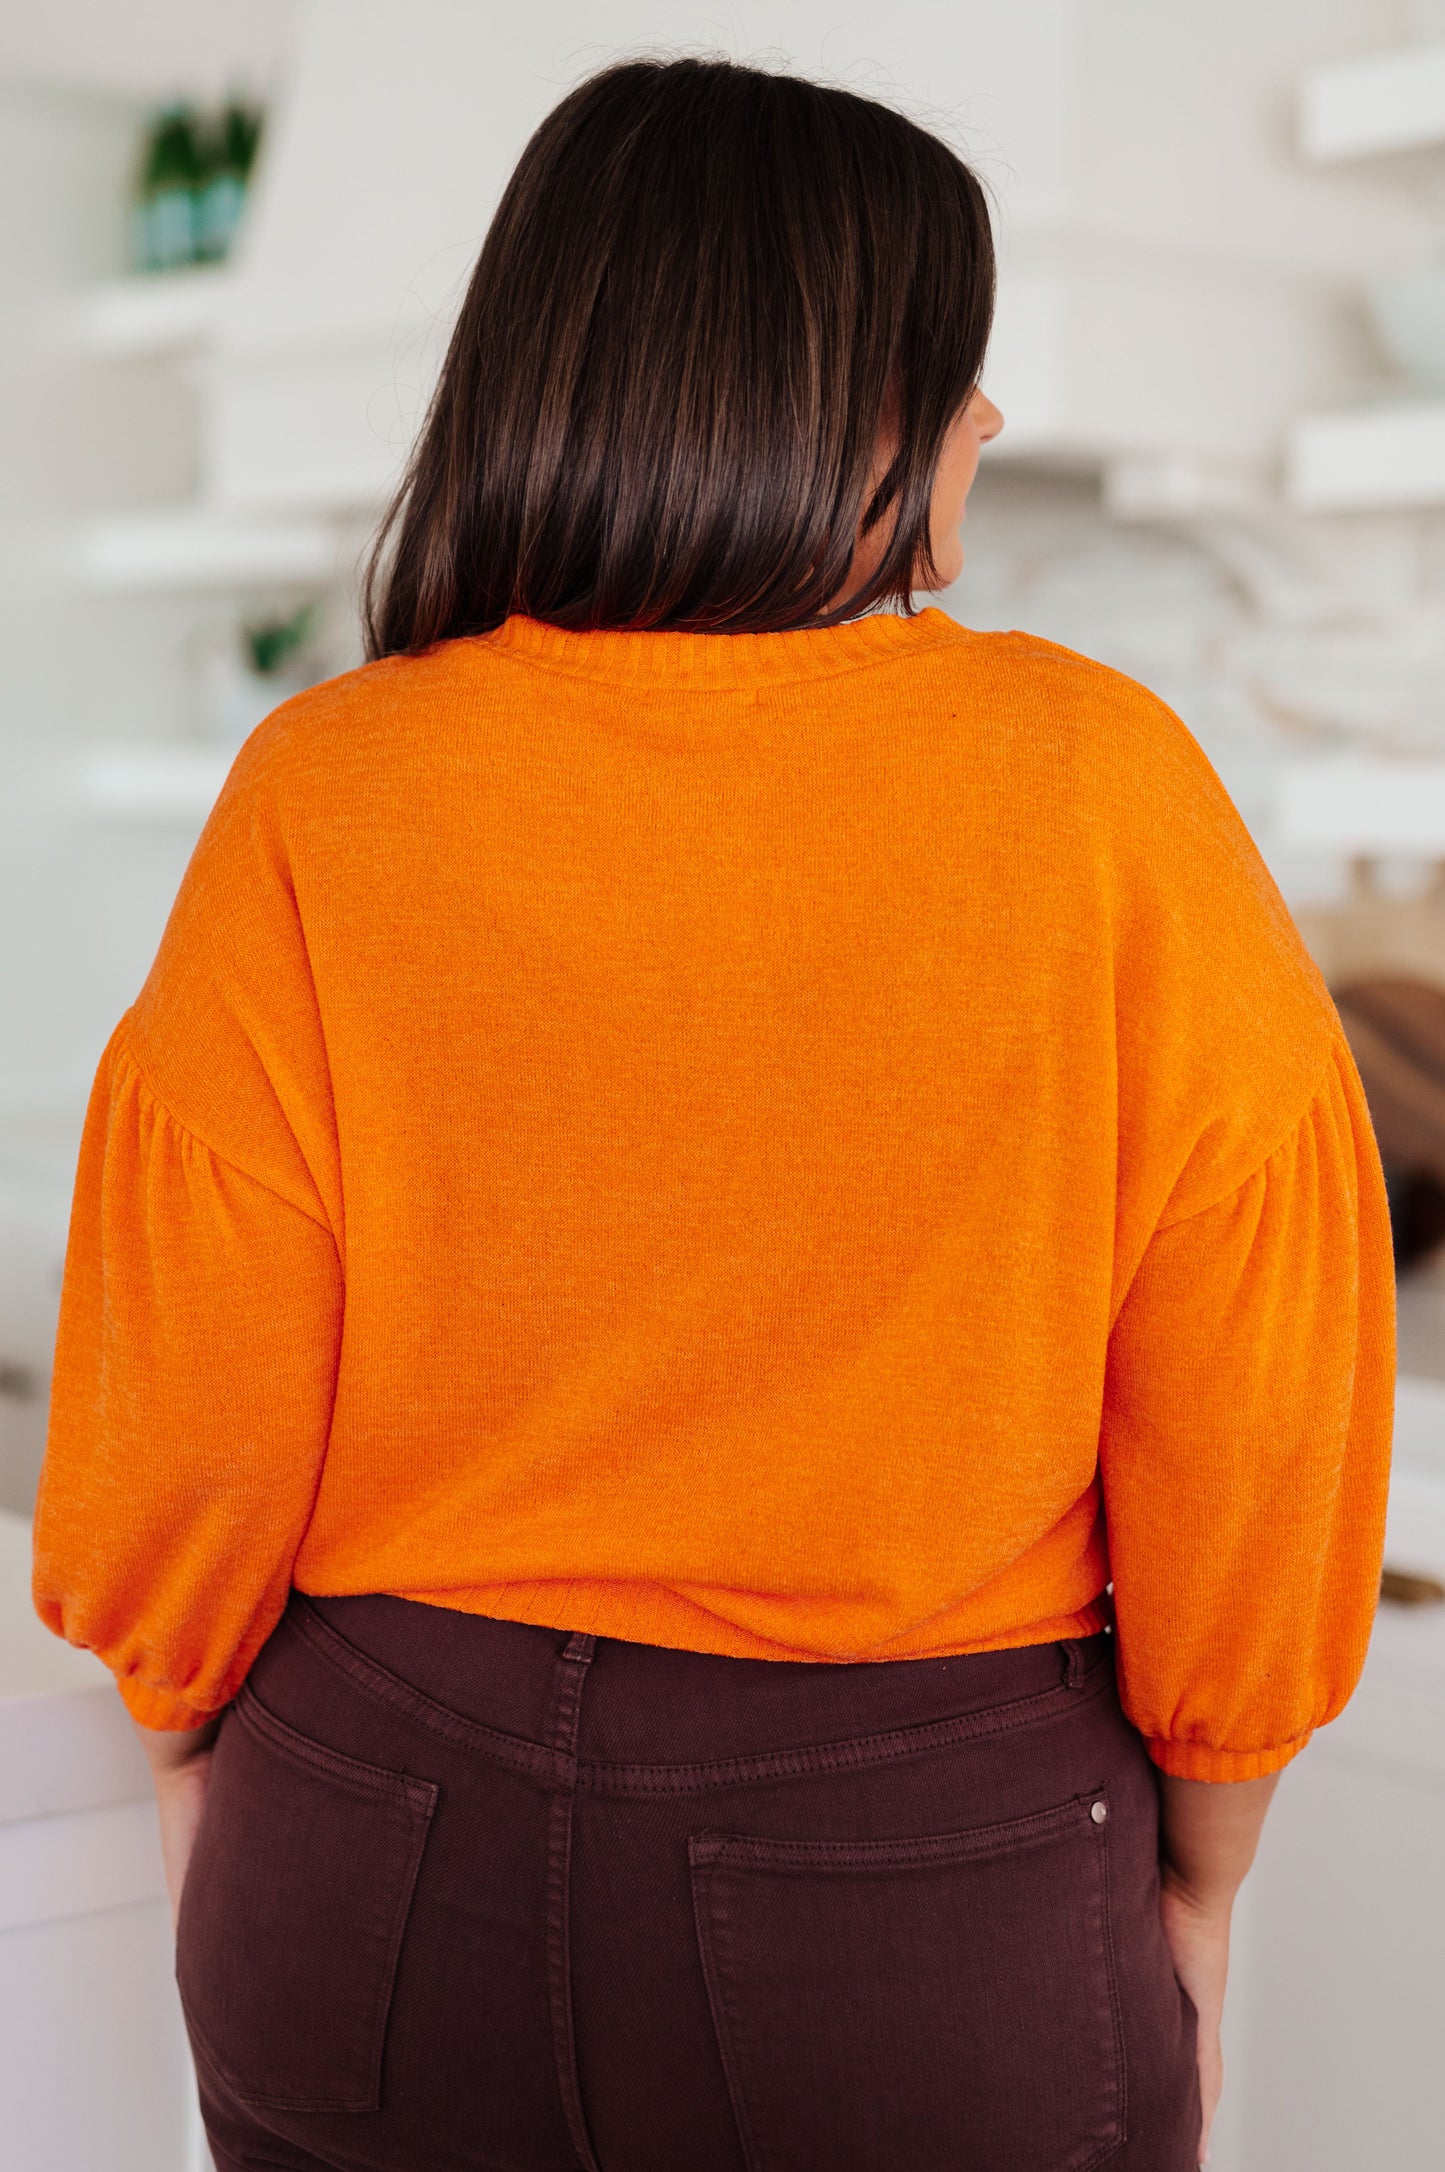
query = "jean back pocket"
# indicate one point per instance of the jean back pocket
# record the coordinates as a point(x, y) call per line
point(923, 2003)
point(292, 1915)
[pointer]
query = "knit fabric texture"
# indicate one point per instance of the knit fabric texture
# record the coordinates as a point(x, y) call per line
point(810, 1146)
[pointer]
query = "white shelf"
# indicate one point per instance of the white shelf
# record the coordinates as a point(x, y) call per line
point(1181, 486)
point(1108, 352)
point(195, 548)
point(156, 783)
point(1369, 458)
point(1362, 807)
point(1391, 101)
point(155, 314)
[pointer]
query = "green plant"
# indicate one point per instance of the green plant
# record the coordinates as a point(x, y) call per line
point(240, 135)
point(191, 184)
point(269, 643)
point(229, 141)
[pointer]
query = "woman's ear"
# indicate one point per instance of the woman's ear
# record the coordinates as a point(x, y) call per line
point(973, 426)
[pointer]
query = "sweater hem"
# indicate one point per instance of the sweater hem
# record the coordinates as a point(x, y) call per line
point(668, 1619)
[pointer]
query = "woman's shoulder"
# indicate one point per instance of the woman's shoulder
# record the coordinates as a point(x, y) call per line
point(1058, 686)
point(347, 711)
point(1129, 763)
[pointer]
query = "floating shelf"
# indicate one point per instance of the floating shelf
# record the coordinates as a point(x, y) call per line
point(155, 783)
point(194, 548)
point(150, 314)
point(1369, 458)
point(1108, 353)
point(1362, 808)
point(1385, 102)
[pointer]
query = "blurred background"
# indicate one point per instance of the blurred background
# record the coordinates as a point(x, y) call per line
point(231, 243)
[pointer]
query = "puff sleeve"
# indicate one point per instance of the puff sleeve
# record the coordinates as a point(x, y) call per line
point(166, 1526)
point(1245, 1450)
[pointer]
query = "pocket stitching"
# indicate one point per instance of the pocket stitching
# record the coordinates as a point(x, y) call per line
point(704, 1893)
point(709, 1852)
point(969, 1844)
point(1111, 1973)
point(352, 1772)
point(552, 1768)
point(416, 1801)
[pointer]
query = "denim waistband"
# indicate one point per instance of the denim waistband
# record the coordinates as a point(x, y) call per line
point(658, 1720)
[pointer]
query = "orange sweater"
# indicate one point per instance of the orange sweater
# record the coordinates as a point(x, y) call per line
point(813, 1146)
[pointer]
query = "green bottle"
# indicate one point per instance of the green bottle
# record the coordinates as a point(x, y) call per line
point(166, 221)
point(229, 153)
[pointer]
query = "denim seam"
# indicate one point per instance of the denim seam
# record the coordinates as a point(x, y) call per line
point(598, 1778)
point(563, 1722)
point(1121, 2061)
point(533, 1760)
point(710, 1920)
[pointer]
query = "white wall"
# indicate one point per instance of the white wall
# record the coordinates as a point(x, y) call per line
point(1129, 118)
point(402, 139)
point(1187, 134)
point(1103, 125)
point(79, 911)
point(146, 48)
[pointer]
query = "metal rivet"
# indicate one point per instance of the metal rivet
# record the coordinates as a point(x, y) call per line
point(1099, 1812)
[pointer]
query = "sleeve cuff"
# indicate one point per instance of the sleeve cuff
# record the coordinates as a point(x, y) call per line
point(1197, 1761)
point(158, 1708)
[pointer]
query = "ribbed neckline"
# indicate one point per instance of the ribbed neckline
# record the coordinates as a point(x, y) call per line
point(621, 655)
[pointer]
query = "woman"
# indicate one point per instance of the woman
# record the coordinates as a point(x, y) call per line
point(707, 1165)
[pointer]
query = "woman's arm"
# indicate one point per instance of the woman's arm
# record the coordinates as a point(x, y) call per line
point(1245, 1451)
point(180, 1762)
point(1208, 1833)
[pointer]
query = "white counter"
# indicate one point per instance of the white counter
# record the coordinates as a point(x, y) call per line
point(94, 2070)
point(1335, 2014)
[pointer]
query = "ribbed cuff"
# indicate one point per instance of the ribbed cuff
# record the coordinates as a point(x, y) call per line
point(1197, 1761)
point(158, 1708)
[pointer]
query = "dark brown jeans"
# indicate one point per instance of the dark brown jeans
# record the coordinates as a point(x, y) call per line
point(475, 1897)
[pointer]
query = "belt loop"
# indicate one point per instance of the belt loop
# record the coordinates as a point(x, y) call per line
point(580, 1647)
point(1073, 1652)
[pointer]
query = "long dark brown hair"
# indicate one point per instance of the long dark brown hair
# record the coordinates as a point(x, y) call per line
point(709, 294)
